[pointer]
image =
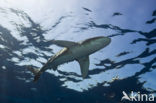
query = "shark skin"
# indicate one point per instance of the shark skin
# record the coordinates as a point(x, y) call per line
point(73, 51)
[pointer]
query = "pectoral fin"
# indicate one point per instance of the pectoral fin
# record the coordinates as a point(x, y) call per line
point(84, 65)
point(63, 43)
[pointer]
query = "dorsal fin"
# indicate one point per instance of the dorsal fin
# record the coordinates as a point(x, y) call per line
point(63, 43)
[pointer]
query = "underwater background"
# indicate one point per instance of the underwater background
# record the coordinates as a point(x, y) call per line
point(127, 64)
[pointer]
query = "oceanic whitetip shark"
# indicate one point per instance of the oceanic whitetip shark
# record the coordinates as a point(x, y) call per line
point(78, 51)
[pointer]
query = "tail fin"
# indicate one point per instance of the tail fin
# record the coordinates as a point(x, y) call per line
point(36, 73)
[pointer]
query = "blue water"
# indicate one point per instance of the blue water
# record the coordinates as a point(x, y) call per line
point(127, 64)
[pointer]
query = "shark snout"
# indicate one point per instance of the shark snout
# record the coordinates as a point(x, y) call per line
point(108, 39)
point(105, 41)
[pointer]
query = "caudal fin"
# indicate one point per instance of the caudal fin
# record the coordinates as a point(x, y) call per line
point(35, 72)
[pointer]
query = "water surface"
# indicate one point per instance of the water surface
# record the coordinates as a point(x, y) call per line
point(127, 64)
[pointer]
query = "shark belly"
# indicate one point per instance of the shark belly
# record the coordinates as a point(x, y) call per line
point(84, 50)
point(68, 55)
point(64, 57)
point(75, 53)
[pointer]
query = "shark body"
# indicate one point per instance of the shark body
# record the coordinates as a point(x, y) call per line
point(73, 51)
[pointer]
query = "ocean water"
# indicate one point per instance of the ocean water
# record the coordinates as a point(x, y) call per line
point(127, 64)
